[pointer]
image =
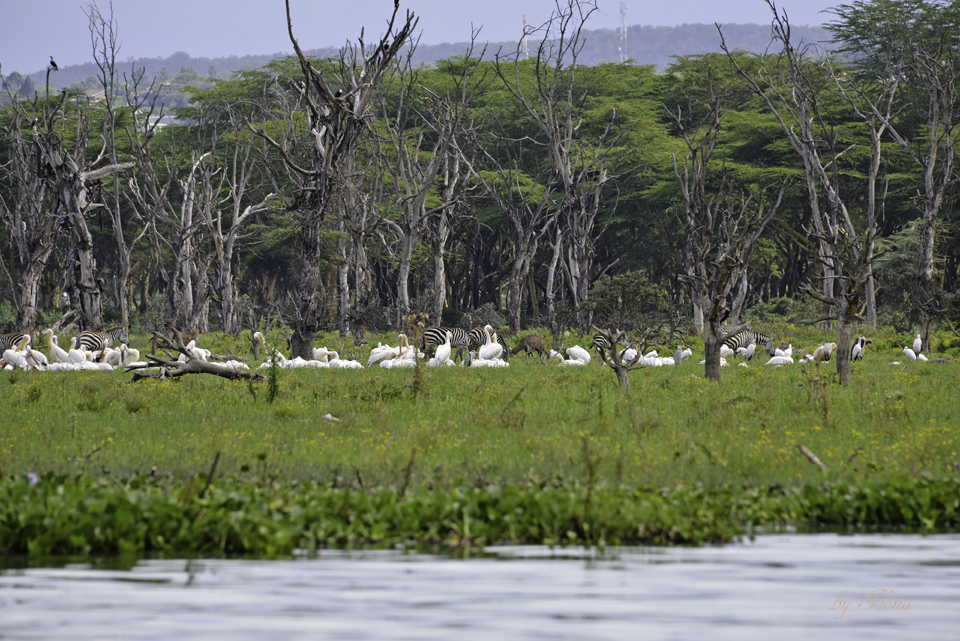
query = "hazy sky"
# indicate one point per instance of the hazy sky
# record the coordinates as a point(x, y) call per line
point(32, 31)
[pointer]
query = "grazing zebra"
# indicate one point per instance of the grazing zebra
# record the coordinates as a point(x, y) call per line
point(99, 341)
point(476, 337)
point(12, 341)
point(743, 339)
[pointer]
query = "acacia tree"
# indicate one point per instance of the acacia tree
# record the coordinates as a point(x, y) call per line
point(336, 117)
point(912, 43)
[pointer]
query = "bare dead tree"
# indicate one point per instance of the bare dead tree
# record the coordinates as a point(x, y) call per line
point(934, 69)
point(526, 203)
point(335, 120)
point(722, 227)
point(792, 90)
point(554, 100)
point(149, 190)
point(106, 47)
point(421, 126)
point(615, 360)
point(52, 188)
point(229, 195)
point(27, 200)
point(361, 212)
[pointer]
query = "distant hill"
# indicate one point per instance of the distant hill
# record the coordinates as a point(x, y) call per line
point(645, 46)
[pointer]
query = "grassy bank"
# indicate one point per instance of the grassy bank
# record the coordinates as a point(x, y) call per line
point(457, 433)
point(504, 425)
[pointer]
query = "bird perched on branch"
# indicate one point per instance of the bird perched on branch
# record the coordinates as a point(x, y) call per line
point(53, 64)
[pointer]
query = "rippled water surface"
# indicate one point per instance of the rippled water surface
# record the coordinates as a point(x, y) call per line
point(775, 588)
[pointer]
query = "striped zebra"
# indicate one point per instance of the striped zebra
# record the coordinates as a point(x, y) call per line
point(477, 337)
point(12, 341)
point(743, 339)
point(99, 341)
point(436, 335)
point(601, 345)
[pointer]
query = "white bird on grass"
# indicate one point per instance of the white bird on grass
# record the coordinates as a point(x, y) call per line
point(579, 353)
point(16, 358)
point(917, 344)
point(442, 354)
point(909, 353)
point(780, 361)
point(57, 353)
point(78, 356)
point(490, 350)
point(382, 352)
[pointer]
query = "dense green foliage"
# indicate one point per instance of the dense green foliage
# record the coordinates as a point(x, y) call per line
point(80, 515)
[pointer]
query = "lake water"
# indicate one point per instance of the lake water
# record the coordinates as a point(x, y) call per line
point(777, 587)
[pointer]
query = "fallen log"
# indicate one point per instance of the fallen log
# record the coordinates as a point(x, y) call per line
point(173, 369)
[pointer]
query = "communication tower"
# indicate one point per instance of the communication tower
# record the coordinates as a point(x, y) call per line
point(524, 54)
point(623, 32)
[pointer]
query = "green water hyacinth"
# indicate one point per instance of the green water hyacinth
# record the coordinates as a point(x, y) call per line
point(84, 515)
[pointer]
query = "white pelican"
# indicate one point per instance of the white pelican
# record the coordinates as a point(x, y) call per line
point(323, 354)
point(580, 354)
point(57, 353)
point(569, 361)
point(17, 357)
point(128, 355)
point(909, 353)
point(780, 360)
point(342, 363)
point(723, 362)
point(442, 354)
point(76, 355)
point(36, 359)
point(822, 353)
point(921, 357)
point(489, 350)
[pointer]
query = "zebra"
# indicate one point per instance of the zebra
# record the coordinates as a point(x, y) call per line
point(99, 341)
point(12, 341)
point(743, 339)
point(477, 337)
point(436, 335)
point(601, 345)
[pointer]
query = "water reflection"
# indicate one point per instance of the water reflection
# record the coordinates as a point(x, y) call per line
point(780, 586)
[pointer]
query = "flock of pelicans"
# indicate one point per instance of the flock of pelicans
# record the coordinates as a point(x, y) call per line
point(485, 348)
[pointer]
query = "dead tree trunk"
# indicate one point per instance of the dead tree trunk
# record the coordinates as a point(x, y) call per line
point(335, 120)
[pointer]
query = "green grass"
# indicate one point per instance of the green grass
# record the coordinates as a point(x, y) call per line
point(525, 422)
